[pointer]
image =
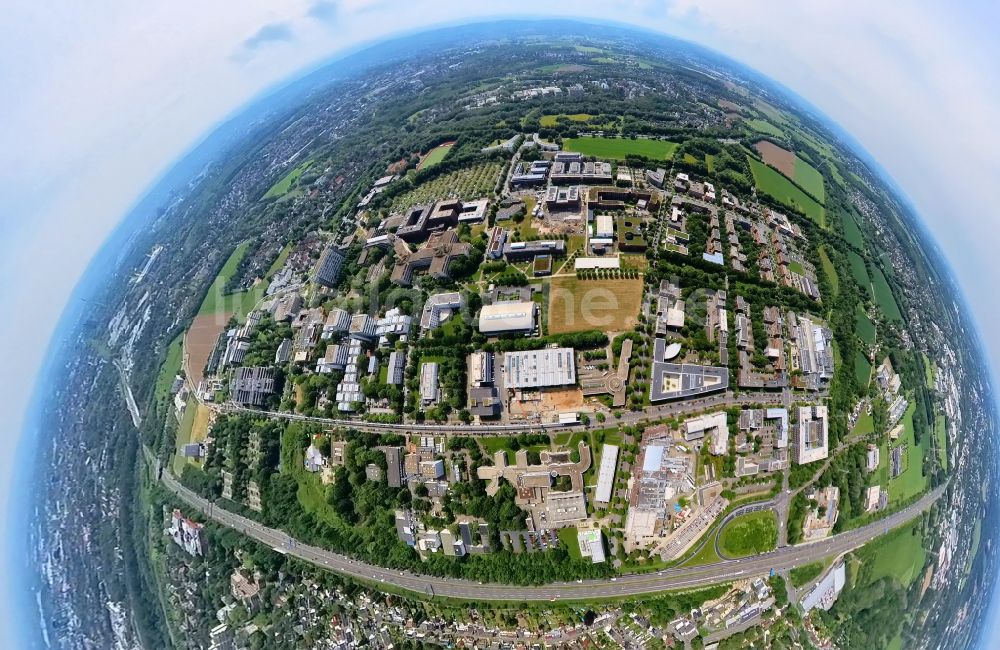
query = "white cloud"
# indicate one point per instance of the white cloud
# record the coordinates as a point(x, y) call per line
point(97, 104)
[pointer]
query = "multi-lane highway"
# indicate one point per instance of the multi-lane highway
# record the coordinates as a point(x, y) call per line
point(626, 585)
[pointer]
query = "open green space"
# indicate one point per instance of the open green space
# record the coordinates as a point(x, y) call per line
point(216, 300)
point(941, 438)
point(774, 184)
point(750, 534)
point(852, 231)
point(809, 179)
point(864, 426)
point(705, 555)
point(912, 481)
point(900, 556)
point(862, 369)
point(802, 575)
point(552, 120)
point(171, 366)
point(829, 270)
point(929, 371)
point(436, 155)
point(859, 271)
point(284, 186)
point(765, 127)
point(883, 296)
point(977, 532)
point(864, 326)
point(184, 435)
point(618, 148)
point(567, 537)
point(796, 267)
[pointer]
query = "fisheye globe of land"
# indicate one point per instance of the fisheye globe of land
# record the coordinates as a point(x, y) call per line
point(566, 339)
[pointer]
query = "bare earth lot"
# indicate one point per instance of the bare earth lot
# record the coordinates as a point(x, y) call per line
point(580, 305)
point(775, 156)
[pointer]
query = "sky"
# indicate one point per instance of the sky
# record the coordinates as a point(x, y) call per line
point(100, 98)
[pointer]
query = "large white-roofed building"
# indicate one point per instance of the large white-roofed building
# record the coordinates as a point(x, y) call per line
point(606, 474)
point(539, 368)
point(508, 318)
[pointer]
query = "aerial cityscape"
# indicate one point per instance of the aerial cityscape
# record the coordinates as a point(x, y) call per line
point(540, 334)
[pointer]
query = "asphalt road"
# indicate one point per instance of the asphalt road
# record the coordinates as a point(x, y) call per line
point(626, 585)
point(628, 418)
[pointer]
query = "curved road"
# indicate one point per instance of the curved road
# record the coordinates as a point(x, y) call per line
point(626, 585)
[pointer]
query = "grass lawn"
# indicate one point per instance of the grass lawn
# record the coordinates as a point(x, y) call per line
point(852, 232)
point(929, 371)
point(773, 183)
point(862, 369)
point(765, 127)
point(802, 575)
point(864, 326)
point(184, 434)
point(796, 267)
point(830, 271)
point(171, 366)
point(435, 155)
point(941, 439)
point(858, 270)
point(567, 537)
point(284, 186)
point(579, 305)
point(710, 162)
point(618, 148)
point(912, 481)
point(552, 120)
point(864, 425)
point(705, 555)
point(884, 297)
point(750, 534)
point(977, 531)
point(901, 557)
point(809, 179)
point(240, 302)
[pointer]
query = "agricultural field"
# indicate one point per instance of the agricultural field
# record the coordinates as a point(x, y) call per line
point(435, 155)
point(862, 369)
point(830, 271)
point(765, 127)
point(852, 232)
point(858, 270)
point(552, 120)
point(771, 182)
point(618, 148)
point(287, 182)
point(912, 481)
point(611, 305)
point(883, 296)
point(864, 326)
point(809, 179)
point(750, 534)
point(469, 183)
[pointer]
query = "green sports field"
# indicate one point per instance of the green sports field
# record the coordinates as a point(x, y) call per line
point(618, 148)
point(436, 155)
point(773, 183)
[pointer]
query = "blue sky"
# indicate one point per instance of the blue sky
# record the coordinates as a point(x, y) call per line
point(99, 100)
